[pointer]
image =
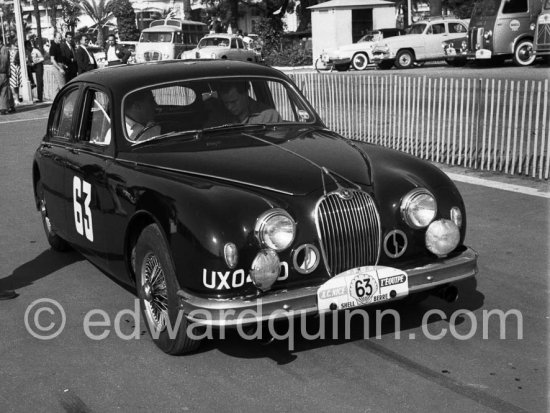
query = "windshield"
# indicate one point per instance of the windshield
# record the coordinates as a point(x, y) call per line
point(370, 37)
point(486, 8)
point(199, 106)
point(156, 37)
point(214, 42)
point(417, 28)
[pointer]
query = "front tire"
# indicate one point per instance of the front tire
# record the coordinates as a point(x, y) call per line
point(405, 59)
point(523, 53)
point(56, 242)
point(360, 61)
point(157, 288)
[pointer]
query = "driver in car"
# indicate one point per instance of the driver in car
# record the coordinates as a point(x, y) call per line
point(140, 115)
point(243, 108)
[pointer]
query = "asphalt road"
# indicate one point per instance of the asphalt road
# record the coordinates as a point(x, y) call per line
point(414, 373)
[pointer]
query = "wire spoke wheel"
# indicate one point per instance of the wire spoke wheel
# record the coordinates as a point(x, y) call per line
point(153, 284)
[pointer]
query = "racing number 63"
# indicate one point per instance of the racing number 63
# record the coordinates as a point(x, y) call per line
point(363, 287)
point(82, 191)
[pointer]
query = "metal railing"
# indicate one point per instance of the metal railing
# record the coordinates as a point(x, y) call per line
point(486, 124)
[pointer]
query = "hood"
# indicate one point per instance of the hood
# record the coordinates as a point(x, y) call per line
point(287, 160)
point(356, 46)
point(405, 40)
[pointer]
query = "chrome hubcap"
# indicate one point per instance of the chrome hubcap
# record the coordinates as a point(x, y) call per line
point(154, 292)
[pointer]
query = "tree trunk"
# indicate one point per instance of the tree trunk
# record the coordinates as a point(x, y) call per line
point(38, 25)
point(436, 7)
point(187, 9)
point(234, 15)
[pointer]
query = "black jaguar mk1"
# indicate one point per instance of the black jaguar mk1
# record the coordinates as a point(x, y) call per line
point(232, 219)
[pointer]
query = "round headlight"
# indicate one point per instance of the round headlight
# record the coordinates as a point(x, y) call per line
point(275, 229)
point(265, 269)
point(442, 237)
point(418, 208)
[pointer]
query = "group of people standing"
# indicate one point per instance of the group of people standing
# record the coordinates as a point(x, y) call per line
point(10, 74)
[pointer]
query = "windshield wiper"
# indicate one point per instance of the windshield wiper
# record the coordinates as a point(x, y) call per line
point(231, 126)
point(195, 136)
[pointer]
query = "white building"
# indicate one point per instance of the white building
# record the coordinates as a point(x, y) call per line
point(339, 22)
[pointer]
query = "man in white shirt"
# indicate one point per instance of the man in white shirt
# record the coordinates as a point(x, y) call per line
point(139, 116)
point(115, 54)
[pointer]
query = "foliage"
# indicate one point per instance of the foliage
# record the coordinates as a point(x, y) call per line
point(99, 12)
point(270, 31)
point(461, 8)
point(294, 55)
point(70, 10)
point(126, 19)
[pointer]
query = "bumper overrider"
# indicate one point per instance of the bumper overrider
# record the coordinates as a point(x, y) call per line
point(284, 304)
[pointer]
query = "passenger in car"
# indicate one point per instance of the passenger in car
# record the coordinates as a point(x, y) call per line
point(243, 108)
point(140, 114)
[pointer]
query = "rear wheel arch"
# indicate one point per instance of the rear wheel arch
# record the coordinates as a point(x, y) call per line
point(35, 178)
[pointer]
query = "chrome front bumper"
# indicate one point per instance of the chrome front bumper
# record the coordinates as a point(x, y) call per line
point(283, 304)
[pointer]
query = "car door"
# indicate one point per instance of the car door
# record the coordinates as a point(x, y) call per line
point(93, 199)
point(53, 158)
point(436, 33)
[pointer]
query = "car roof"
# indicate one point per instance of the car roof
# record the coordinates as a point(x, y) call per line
point(124, 78)
point(226, 35)
point(155, 29)
point(440, 20)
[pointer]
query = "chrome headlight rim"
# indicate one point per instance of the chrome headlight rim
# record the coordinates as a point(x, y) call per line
point(407, 202)
point(261, 225)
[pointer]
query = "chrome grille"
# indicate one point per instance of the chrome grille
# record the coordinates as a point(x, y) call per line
point(149, 56)
point(543, 35)
point(475, 39)
point(349, 230)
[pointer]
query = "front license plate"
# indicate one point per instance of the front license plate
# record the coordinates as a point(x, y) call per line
point(362, 286)
point(483, 54)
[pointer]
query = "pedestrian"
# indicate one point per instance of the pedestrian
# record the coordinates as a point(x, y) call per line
point(15, 71)
point(69, 57)
point(57, 61)
point(37, 62)
point(6, 98)
point(115, 54)
point(85, 60)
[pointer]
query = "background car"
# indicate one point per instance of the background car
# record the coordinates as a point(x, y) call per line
point(223, 218)
point(359, 54)
point(222, 46)
point(421, 43)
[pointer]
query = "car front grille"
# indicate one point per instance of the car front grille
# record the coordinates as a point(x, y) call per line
point(151, 56)
point(475, 39)
point(348, 226)
point(543, 35)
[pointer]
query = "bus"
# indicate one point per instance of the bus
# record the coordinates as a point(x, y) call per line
point(168, 39)
point(500, 29)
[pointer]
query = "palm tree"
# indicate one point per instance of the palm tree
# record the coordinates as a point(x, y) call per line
point(100, 12)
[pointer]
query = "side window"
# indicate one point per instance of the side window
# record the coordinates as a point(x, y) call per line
point(61, 126)
point(515, 6)
point(233, 43)
point(98, 129)
point(457, 28)
point(438, 28)
point(289, 109)
point(240, 43)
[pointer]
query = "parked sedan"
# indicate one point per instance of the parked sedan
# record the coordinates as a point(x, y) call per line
point(421, 44)
point(216, 192)
point(222, 46)
point(359, 54)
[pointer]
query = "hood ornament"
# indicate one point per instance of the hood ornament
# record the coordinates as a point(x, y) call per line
point(343, 192)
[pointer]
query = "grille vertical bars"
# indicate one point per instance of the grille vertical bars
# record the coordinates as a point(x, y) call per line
point(349, 231)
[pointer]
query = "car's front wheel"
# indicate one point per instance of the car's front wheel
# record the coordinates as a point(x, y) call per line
point(157, 288)
point(523, 53)
point(56, 242)
point(404, 59)
point(360, 61)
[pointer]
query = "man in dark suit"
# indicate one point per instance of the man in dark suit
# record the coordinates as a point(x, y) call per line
point(115, 54)
point(69, 57)
point(85, 60)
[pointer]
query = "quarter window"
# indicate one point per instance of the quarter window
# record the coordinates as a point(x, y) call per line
point(61, 126)
point(437, 28)
point(98, 129)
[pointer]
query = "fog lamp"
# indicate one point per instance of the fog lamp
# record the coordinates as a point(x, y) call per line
point(231, 255)
point(265, 269)
point(442, 237)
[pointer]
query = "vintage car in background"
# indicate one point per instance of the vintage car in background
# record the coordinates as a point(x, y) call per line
point(358, 55)
point(222, 217)
point(542, 33)
point(422, 43)
point(222, 46)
